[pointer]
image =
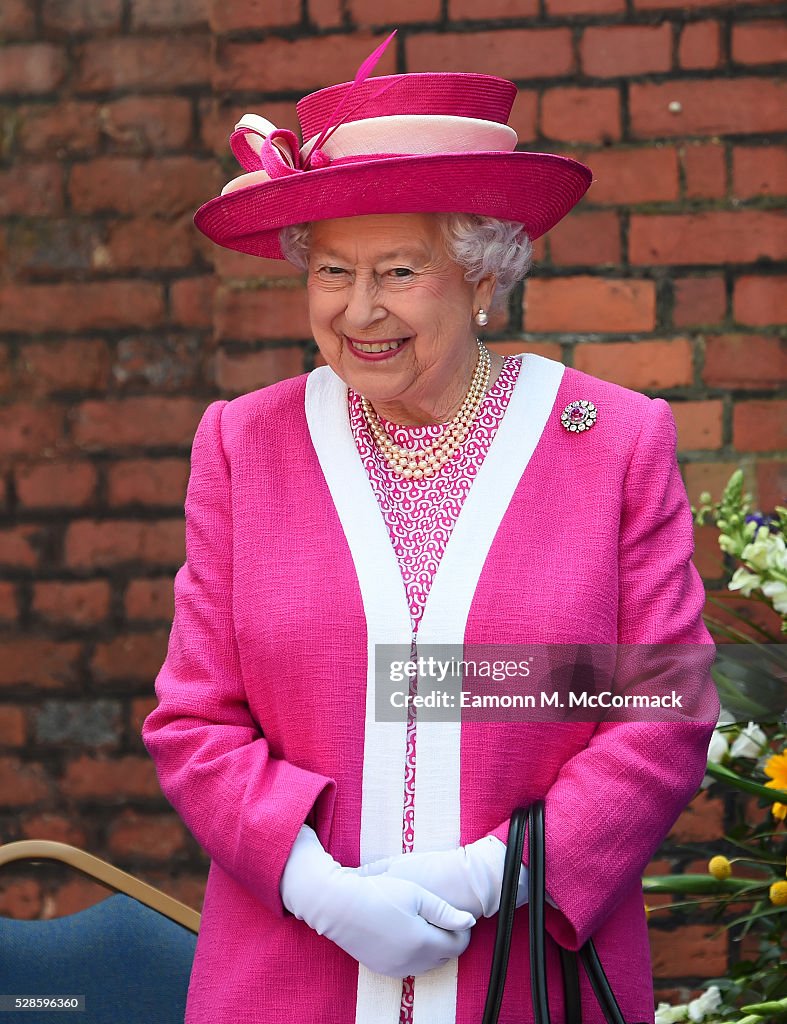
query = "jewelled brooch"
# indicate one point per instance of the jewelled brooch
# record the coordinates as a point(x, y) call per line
point(579, 415)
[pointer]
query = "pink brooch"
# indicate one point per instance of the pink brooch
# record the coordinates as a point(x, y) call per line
point(579, 415)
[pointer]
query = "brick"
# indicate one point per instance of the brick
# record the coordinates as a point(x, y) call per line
point(191, 301)
point(771, 484)
point(251, 14)
point(13, 730)
point(56, 484)
point(760, 300)
point(166, 185)
point(590, 304)
point(619, 50)
point(8, 602)
point(154, 63)
point(32, 190)
point(642, 365)
point(745, 615)
point(649, 5)
point(29, 429)
point(73, 896)
point(94, 544)
point(21, 900)
point(79, 603)
point(21, 783)
point(240, 265)
point(701, 821)
point(30, 660)
point(141, 707)
point(41, 248)
point(408, 12)
point(570, 114)
point(242, 372)
point(169, 13)
point(700, 45)
point(61, 366)
point(6, 367)
point(152, 836)
point(148, 482)
point(760, 426)
point(76, 306)
point(758, 171)
point(745, 361)
point(524, 115)
point(17, 19)
point(699, 425)
point(722, 236)
point(558, 7)
point(759, 42)
point(32, 69)
point(704, 171)
point(628, 176)
point(218, 117)
point(146, 124)
point(91, 724)
point(696, 951)
point(325, 13)
point(54, 827)
point(699, 300)
point(82, 16)
point(720, 106)
point(19, 546)
point(150, 600)
point(469, 10)
point(70, 127)
point(131, 656)
point(144, 421)
point(189, 890)
point(297, 65)
point(511, 53)
point(112, 780)
point(160, 362)
point(708, 476)
point(261, 314)
point(708, 556)
point(586, 239)
point(149, 243)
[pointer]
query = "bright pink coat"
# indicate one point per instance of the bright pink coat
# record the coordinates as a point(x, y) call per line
point(266, 715)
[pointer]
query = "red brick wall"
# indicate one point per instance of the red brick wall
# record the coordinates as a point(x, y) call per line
point(119, 323)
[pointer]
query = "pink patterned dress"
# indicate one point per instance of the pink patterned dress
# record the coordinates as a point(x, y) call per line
point(420, 515)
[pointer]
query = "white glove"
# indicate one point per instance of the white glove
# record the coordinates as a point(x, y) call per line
point(392, 926)
point(469, 877)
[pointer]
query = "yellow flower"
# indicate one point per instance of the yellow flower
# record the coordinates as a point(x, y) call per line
point(647, 910)
point(719, 867)
point(776, 770)
point(778, 894)
point(779, 811)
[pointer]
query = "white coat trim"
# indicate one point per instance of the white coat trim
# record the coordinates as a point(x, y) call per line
point(444, 621)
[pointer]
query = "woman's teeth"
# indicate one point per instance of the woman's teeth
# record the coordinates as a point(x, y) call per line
point(378, 346)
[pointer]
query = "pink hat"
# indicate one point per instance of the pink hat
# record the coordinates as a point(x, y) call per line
point(416, 143)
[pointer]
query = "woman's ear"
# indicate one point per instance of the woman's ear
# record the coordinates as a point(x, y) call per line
point(484, 291)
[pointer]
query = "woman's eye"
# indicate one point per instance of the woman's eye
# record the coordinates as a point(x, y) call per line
point(401, 272)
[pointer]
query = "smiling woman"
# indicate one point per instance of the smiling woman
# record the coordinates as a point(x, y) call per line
point(416, 490)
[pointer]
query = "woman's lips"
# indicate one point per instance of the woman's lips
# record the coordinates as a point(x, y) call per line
point(376, 351)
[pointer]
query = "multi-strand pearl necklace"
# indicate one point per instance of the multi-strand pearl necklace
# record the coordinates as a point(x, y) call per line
point(418, 463)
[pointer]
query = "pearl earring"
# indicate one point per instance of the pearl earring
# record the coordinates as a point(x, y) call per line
point(481, 318)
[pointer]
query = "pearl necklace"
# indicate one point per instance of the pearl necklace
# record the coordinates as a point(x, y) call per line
point(425, 462)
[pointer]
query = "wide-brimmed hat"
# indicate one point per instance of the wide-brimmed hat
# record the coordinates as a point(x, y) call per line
point(414, 143)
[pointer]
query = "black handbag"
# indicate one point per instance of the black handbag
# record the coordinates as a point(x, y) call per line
point(587, 955)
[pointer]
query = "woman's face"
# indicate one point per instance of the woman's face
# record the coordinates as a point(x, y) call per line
point(392, 314)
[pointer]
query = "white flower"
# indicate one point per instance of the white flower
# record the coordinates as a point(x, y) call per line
point(744, 581)
point(700, 1007)
point(766, 551)
point(776, 590)
point(748, 743)
point(666, 1014)
point(718, 747)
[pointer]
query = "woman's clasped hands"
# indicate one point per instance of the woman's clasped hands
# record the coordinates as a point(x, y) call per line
point(392, 925)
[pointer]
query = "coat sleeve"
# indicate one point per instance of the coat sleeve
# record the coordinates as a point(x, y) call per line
point(613, 803)
point(243, 806)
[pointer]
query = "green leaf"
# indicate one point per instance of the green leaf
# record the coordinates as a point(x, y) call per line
point(718, 771)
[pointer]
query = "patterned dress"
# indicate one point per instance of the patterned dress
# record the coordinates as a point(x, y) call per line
point(419, 516)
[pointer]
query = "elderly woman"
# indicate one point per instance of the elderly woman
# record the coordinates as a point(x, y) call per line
point(416, 490)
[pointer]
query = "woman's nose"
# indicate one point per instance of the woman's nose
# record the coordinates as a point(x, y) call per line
point(364, 304)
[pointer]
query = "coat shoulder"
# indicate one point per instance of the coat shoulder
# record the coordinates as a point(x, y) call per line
point(264, 415)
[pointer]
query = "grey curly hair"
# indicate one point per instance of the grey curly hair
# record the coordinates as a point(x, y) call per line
point(481, 246)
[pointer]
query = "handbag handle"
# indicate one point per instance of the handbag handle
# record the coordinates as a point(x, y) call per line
point(534, 819)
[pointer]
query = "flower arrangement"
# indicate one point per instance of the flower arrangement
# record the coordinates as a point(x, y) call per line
point(747, 755)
